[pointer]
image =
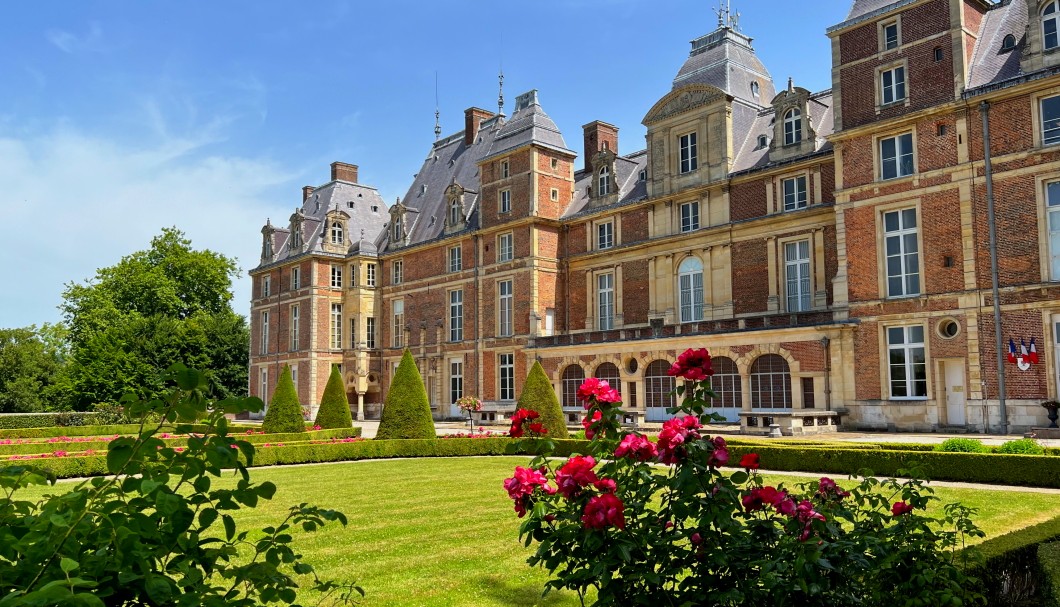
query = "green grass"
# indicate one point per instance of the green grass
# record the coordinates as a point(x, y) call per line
point(441, 532)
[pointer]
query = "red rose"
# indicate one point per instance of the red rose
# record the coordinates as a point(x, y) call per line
point(828, 488)
point(636, 447)
point(720, 456)
point(900, 508)
point(519, 420)
point(522, 486)
point(605, 485)
point(598, 389)
point(589, 422)
point(604, 511)
point(575, 474)
point(693, 365)
point(749, 461)
point(675, 433)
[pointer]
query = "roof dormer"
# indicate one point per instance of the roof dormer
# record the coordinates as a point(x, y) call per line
point(1041, 48)
point(793, 132)
point(266, 242)
point(335, 238)
point(455, 218)
point(397, 231)
point(297, 242)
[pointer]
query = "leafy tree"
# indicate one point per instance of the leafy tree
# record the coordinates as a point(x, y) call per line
point(539, 396)
point(31, 368)
point(407, 411)
point(154, 308)
point(334, 409)
point(285, 412)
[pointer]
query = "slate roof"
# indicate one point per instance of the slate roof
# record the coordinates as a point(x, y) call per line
point(726, 60)
point(529, 123)
point(631, 188)
point(749, 155)
point(989, 62)
point(863, 10)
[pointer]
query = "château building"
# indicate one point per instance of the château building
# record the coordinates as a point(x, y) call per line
point(831, 249)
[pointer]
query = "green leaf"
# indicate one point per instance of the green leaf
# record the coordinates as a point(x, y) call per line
point(117, 456)
point(739, 477)
point(266, 490)
point(230, 526)
point(159, 589)
point(68, 564)
point(207, 517)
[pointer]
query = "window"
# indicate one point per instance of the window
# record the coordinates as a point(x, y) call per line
point(353, 332)
point(505, 169)
point(506, 375)
point(770, 383)
point(296, 279)
point(604, 181)
point(504, 308)
point(336, 232)
point(763, 141)
point(455, 262)
point(907, 362)
point(797, 275)
point(938, 54)
point(808, 392)
point(294, 327)
point(755, 88)
point(690, 285)
point(658, 388)
point(1008, 42)
point(573, 376)
point(369, 332)
point(369, 275)
point(896, 156)
point(726, 384)
point(294, 375)
point(456, 213)
point(336, 326)
point(890, 35)
point(1050, 16)
point(892, 85)
point(1052, 202)
point(553, 194)
point(264, 333)
point(794, 193)
point(456, 315)
point(902, 251)
point(506, 201)
point(792, 126)
point(266, 286)
point(605, 300)
point(399, 271)
point(1051, 120)
point(505, 250)
point(689, 158)
point(605, 235)
point(609, 373)
point(690, 216)
point(263, 389)
point(550, 322)
point(554, 164)
point(456, 380)
point(398, 229)
point(399, 323)
point(336, 276)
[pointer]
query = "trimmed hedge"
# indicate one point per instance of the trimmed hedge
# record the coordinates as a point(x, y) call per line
point(538, 395)
point(407, 411)
point(285, 412)
point(1008, 566)
point(69, 419)
point(334, 411)
point(109, 430)
point(1049, 559)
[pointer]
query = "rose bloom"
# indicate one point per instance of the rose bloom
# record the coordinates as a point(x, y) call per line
point(900, 508)
point(599, 389)
point(588, 422)
point(828, 488)
point(604, 511)
point(636, 447)
point(720, 455)
point(521, 416)
point(749, 461)
point(521, 486)
point(575, 474)
point(605, 485)
point(675, 433)
point(693, 365)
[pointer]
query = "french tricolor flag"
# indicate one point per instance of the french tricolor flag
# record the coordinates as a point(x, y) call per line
point(1032, 355)
point(1011, 351)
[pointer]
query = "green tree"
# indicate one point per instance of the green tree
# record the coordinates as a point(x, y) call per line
point(31, 368)
point(285, 412)
point(539, 396)
point(406, 412)
point(168, 304)
point(334, 409)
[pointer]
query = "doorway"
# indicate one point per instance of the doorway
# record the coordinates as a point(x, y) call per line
point(955, 394)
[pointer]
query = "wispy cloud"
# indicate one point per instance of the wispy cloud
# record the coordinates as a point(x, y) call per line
point(68, 42)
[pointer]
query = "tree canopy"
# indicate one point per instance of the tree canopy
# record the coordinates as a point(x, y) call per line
point(31, 362)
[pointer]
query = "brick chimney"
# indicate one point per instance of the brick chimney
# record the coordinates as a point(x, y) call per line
point(473, 118)
point(306, 191)
point(598, 136)
point(340, 171)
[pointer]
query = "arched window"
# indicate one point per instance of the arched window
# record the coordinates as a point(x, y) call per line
point(336, 233)
point(792, 126)
point(605, 182)
point(1050, 19)
point(690, 284)
point(770, 383)
point(726, 384)
point(399, 230)
point(754, 90)
point(456, 212)
point(658, 391)
point(1008, 43)
point(573, 376)
point(609, 373)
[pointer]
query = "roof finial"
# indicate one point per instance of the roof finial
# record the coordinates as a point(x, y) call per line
point(791, 85)
point(500, 92)
point(362, 233)
point(721, 14)
point(437, 113)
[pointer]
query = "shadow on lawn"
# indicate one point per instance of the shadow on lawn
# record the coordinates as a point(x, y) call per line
point(523, 594)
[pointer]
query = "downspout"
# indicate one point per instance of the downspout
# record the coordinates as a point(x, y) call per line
point(566, 279)
point(984, 109)
point(478, 317)
point(826, 346)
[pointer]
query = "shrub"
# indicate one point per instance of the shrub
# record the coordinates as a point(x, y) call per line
point(962, 445)
point(284, 413)
point(1049, 560)
point(46, 420)
point(1008, 566)
point(406, 411)
point(1023, 446)
point(334, 411)
point(539, 396)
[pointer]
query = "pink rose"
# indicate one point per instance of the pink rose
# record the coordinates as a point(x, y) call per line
point(589, 421)
point(636, 447)
point(604, 511)
point(675, 433)
point(598, 389)
point(575, 474)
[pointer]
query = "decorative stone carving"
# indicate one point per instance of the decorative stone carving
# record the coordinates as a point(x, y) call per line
point(682, 100)
point(266, 242)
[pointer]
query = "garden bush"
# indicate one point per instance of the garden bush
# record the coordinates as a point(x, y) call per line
point(538, 395)
point(284, 413)
point(1049, 560)
point(1024, 446)
point(406, 411)
point(47, 420)
point(334, 411)
point(1009, 568)
point(962, 445)
point(103, 431)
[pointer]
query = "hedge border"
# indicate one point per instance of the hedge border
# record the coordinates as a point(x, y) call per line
point(1009, 568)
point(1049, 559)
point(11, 421)
point(104, 430)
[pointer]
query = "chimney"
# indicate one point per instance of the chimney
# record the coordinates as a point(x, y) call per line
point(598, 136)
point(340, 171)
point(473, 118)
point(306, 191)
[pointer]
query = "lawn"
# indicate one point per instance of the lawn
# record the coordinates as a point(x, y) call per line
point(441, 531)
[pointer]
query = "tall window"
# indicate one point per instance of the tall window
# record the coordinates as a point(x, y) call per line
point(690, 285)
point(264, 333)
point(506, 376)
point(456, 380)
point(726, 384)
point(1050, 120)
point(266, 286)
point(907, 362)
point(896, 156)
point(658, 386)
point(892, 85)
point(353, 332)
point(605, 300)
point(399, 323)
point(455, 262)
point(770, 383)
point(890, 35)
point(294, 327)
point(505, 248)
point(604, 182)
point(794, 193)
point(398, 231)
point(690, 216)
point(369, 332)
point(456, 315)
point(792, 126)
point(573, 376)
point(504, 305)
point(294, 375)
point(505, 169)
point(263, 388)
point(902, 252)
point(336, 326)
point(296, 278)
point(797, 275)
point(506, 201)
point(1052, 201)
point(336, 276)
point(609, 373)
point(1050, 15)
point(369, 275)
point(456, 212)
point(399, 271)
point(689, 154)
point(605, 235)
point(336, 232)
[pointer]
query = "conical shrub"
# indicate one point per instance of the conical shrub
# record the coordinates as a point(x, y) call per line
point(406, 411)
point(285, 412)
point(334, 411)
point(539, 396)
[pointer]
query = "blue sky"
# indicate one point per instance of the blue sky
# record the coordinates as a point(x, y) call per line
point(120, 118)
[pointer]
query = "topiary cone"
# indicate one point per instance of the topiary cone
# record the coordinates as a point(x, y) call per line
point(334, 411)
point(407, 411)
point(539, 396)
point(285, 412)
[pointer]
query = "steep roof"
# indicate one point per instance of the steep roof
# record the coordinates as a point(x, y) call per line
point(631, 188)
point(990, 63)
point(750, 155)
point(529, 124)
point(726, 60)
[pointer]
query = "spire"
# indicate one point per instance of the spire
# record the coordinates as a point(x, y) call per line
point(437, 113)
point(791, 84)
point(500, 93)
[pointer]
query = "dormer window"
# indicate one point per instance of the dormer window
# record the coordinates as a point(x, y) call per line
point(1050, 17)
point(423, 189)
point(456, 212)
point(336, 233)
point(792, 127)
point(398, 229)
point(755, 90)
point(763, 141)
point(1008, 43)
point(605, 181)
point(643, 175)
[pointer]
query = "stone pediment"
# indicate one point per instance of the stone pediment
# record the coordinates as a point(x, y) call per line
point(683, 100)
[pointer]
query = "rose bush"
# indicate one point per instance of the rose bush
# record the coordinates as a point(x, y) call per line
point(662, 524)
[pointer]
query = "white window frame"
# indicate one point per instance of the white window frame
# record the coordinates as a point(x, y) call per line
point(353, 333)
point(900, 154)
point(689, 219)
point(506, 376)
point(886, 42)
point(265, 385)
point(1050, 25)
point(455, 260)
point(603, 182)
point(794, 192)
point(264, 332)
point(294, 327)
point(294, 376)
point(505, 247)
point(605, 301)
point(456, 379)
point(792, 126)
point(335, 325)
point(266, 286)
point(506, 169)
point(605, 235)
point(897, 90)
point(907, 349)
point(798, 279)
point(398, 313)
point(688, 152)
point(908, 260)
point(691, 294)
point(1051, 200)
point(296, 278)
point(369, 332)
point(398, 271)
point(336, 276)
point(505, 204)
point(456, 212)
point(336, 233)
point(369, 275)
point(456, 315)
point(398, 229)
point(1050, 126)
point(505, 307)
